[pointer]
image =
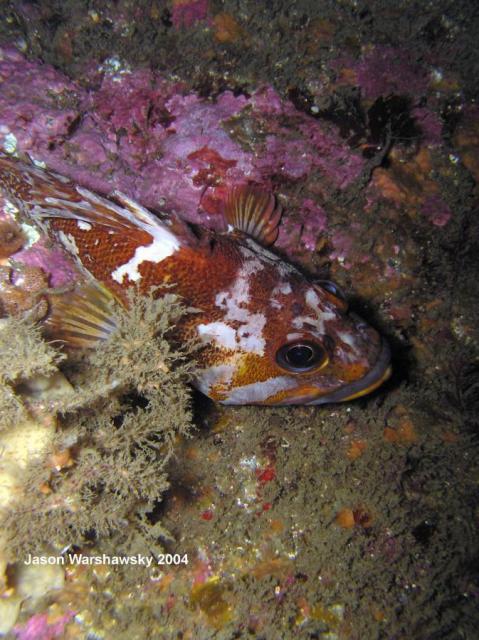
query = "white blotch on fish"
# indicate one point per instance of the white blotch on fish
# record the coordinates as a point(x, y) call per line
point(235, 302)
point(260, 391)
point(164, 245)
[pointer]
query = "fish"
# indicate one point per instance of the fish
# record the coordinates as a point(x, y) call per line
point(270, 335)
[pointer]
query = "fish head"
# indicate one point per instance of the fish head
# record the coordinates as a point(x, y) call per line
point(325, 353)
point(285, 340)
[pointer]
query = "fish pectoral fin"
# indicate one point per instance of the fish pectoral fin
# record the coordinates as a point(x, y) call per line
point(254, 212)
point(81, 317)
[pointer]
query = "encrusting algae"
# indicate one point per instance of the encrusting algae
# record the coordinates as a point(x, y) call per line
point(85, 440)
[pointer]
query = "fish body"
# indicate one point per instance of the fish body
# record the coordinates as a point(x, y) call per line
point(270, 335)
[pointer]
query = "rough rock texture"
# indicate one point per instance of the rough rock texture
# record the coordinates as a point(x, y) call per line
point(355, 521)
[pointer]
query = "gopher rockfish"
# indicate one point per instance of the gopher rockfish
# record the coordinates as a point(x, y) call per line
point(271, 336)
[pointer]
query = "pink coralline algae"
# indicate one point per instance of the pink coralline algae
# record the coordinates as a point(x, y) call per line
point(342, 242)
point(317, 220)
point(38, 628)
point(430, 125)
point(42, 255)
point(186, 13)
point(436, 211)
point(167, 147)
point(52, 260)
point(40, 107)
point(305, 234)
point(298, 144)
point(383, 70)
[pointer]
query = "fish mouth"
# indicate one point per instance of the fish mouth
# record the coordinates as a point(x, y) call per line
point(380, 372)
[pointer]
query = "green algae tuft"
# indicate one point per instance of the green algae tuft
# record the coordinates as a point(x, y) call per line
point(23, 355)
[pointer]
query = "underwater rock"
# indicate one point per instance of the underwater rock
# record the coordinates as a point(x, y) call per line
point(384, 70)
point(436, 210)
point(227, 28)
point(162, 145)
point(466, 140)
point(11, 238)
point(9, 610)
point(172, 149)
point(259, 519)
point(24, 444)
point(186, 13)
point(34, 581)
point(39, 627)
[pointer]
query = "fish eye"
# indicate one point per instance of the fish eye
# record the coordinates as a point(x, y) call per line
point(301, 356)
point(331, 287)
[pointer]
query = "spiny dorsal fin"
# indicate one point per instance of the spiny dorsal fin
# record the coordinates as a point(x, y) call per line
point(43, 195)
point(82, 317)
point(71, 202)
point(254, 211)
point(139, 213)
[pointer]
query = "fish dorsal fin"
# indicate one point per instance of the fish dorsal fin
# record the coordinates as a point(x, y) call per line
point(44, 195)
point(82, 317)
point(253, 211)
point(71, 202)
point(139, 214)
point(173, 223)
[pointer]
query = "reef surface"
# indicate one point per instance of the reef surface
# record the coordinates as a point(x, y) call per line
point(351, 521)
